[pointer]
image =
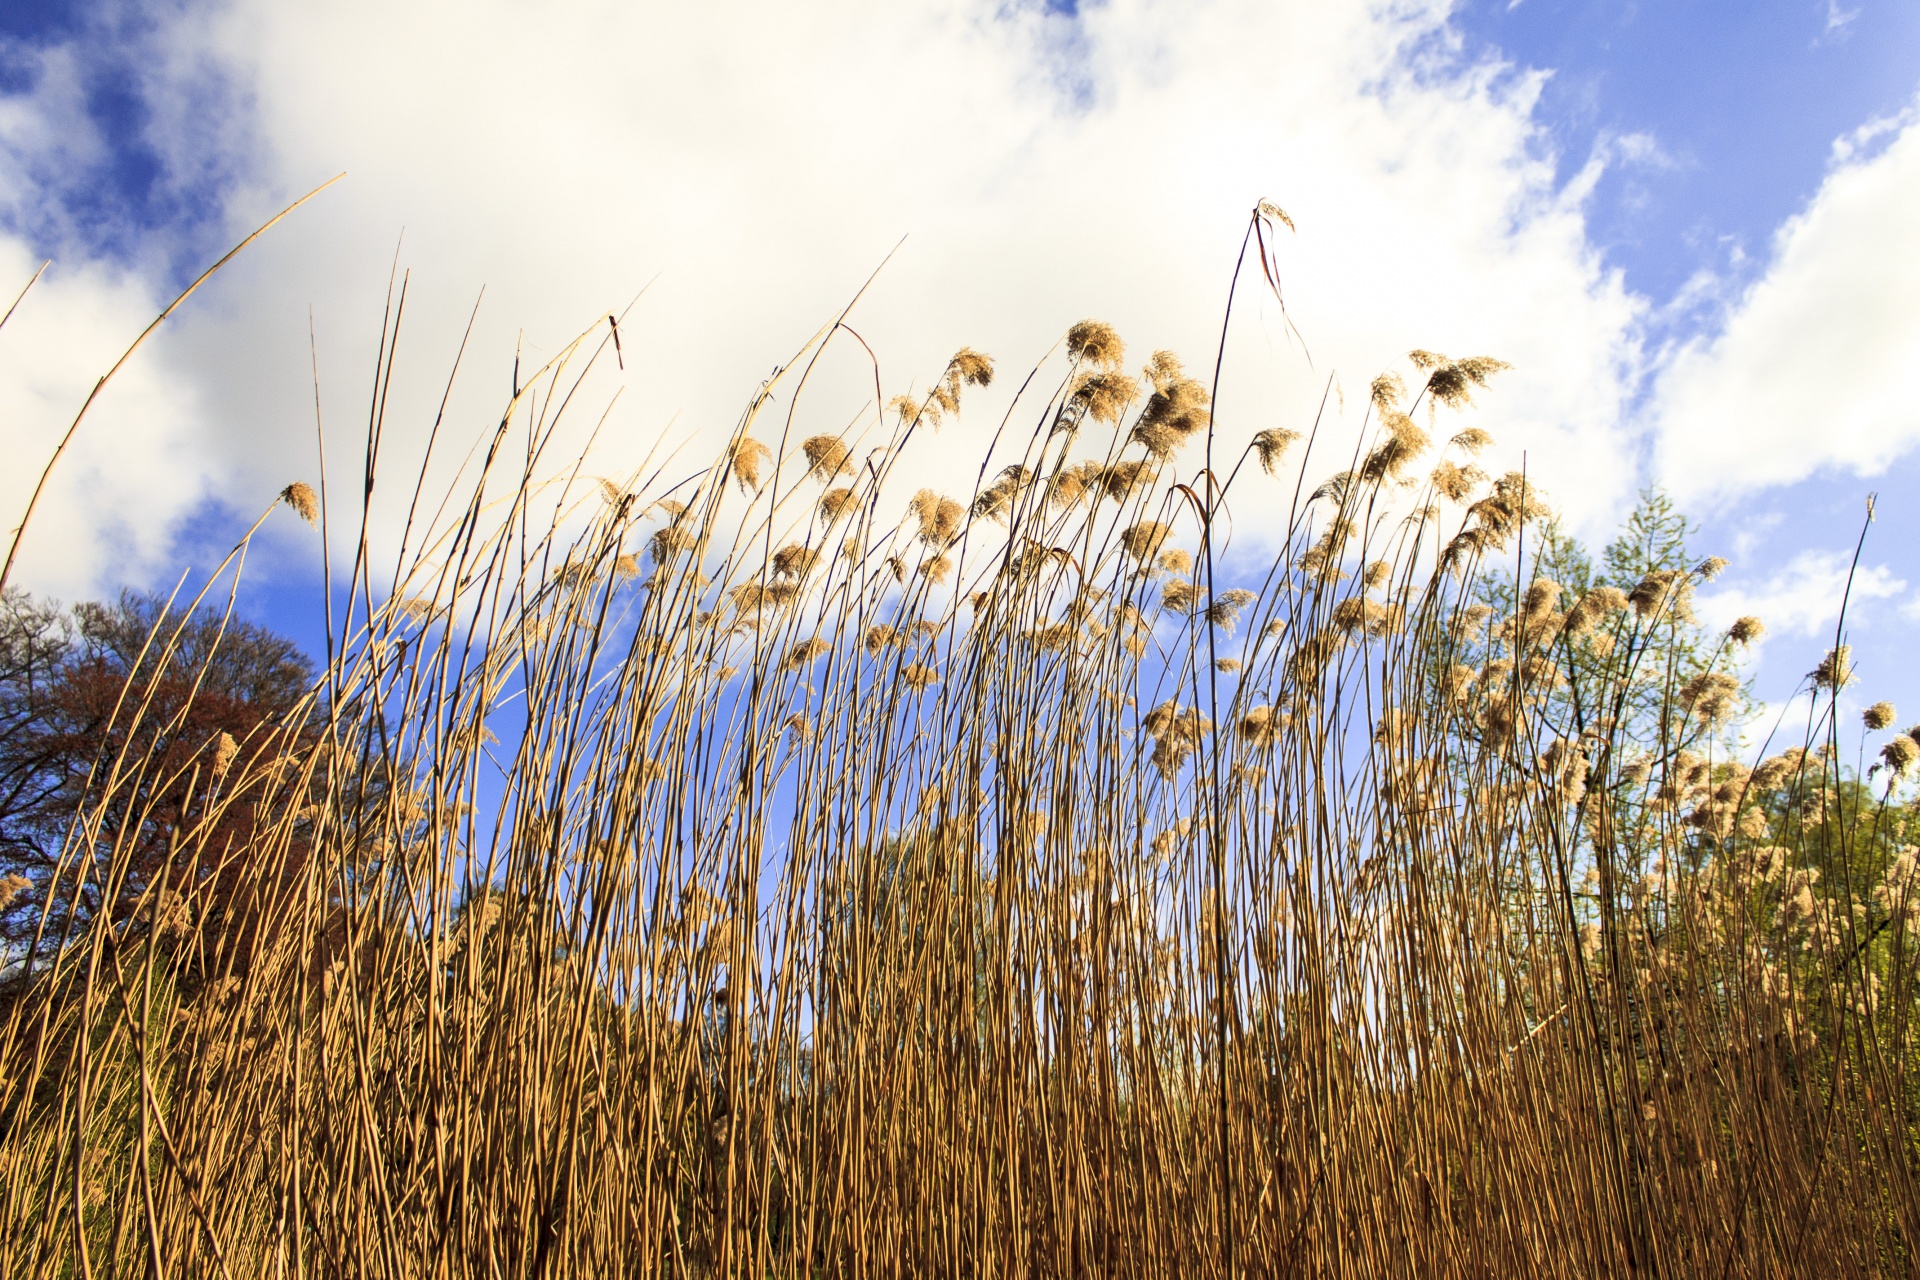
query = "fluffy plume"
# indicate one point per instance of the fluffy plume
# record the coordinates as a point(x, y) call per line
point(806, 651)
point(1451, 382)
point(1095, 342)
point(826, 457)
point(794, 561)
point(1100, 396)
point(941, 519)
point(1711, 696)
point(224, 750)
point(749, 456)
point(1456, 483)
point(300, 496)
point(1471, 441)
point(1879, 716)
point(1357, 614)
point(1270, 445)
point(996, 500)
point(1143, 540)
point(1386, 393)
point(1513, 502)
point(1224, 612)
point(1122, 479)
point(670, 542)
point(1405, 441)
point(1835, 670)
point(1710, 568)
point(12, 889)
point(1178, 596)
point(835, 503)
point(970, 367)
point(1174, 415)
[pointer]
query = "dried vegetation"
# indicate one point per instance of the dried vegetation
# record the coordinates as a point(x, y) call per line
point(970, 896)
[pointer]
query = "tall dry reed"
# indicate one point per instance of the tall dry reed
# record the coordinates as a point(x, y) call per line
point(712, 875)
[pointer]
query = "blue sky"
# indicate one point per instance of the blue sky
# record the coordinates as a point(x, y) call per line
point(1606, 192)
point(1740, 103)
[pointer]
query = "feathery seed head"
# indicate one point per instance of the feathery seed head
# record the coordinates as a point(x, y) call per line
point(1746, 630)
point(1455, 483)
point(300, 496)
point(794, 561)
point(1258, 726)
point(1172, 417)
point(1452, 382)
point(748, 457)
point(1652, 592)
point(1179, 596)
point(971, 367)
point(1471, 441)
point(1224, 612)
point(1095, 342)
point(1711, 696)
point(907, 408)
point(1143, 540)
point(669, 541)
point(835, 503)
point(224, 750)
point(1100, 396)
point(13, 888)
point(1122, 479)
point(806, 651)
point(1163, 370)
point(1835, 670)
point(1270, 444)
point(940, 518)
point(1386, 393)
point(1268, 209)
point(1879, 715)
point(826, 457)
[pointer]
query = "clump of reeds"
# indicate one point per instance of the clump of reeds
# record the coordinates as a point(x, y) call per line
point(733, 883)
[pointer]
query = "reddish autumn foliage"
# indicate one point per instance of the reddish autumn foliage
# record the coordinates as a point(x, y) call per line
point(173, 739)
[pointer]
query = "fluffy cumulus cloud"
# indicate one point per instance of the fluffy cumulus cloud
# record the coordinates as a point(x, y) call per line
point(1815, 365)
point(139, 464)
point(749, 166)
point(1804, 596)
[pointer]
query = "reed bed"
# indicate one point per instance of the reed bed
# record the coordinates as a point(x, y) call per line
point(721, 873)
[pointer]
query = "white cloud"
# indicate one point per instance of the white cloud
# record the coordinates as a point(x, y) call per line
point(1804, 596)
point(762, 159)
point(139, 462)
point(1815, 367)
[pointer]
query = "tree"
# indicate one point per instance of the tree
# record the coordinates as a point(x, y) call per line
point(143, 751)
